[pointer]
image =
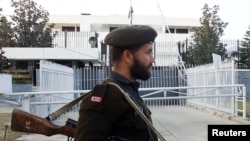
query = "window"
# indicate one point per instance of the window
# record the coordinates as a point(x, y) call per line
point(112, 28)
point(68, 28)
point(78, 29)
point(22, 64)
point(170, 29)
point(181, 31)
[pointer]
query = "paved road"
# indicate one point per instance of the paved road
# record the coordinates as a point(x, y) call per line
point(184, 124)
point(189, 124)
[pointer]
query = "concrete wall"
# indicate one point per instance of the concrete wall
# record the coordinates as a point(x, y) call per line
point(22, 88)
point(5, 83)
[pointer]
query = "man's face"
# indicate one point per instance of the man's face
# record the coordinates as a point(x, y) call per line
point(142, 62)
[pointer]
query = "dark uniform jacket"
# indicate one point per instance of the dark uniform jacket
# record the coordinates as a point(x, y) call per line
point(106, 115)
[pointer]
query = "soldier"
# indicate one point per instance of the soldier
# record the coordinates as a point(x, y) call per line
point(105, 114)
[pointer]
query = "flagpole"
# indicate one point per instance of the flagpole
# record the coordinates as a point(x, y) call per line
point(130, 13)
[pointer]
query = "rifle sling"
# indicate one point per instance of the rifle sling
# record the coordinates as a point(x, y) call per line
point(60, 111)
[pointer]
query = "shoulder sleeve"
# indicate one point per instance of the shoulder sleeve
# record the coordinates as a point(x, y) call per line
point(99, 111)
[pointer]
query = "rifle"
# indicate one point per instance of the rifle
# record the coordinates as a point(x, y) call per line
point(23, 121)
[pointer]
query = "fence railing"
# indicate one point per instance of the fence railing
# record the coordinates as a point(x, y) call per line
point(161, 76)
point(166, 52)
point(231, 101)
point(231, 47)
point(209, 74)
point(71, 39)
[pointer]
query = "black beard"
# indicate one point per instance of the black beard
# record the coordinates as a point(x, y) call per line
point(139, 71)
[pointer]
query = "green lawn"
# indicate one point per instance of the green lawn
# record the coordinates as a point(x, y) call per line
point(247, 107)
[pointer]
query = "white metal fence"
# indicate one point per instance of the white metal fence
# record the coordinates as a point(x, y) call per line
point(205, 76)
point(161, 76)
point(158, 99)
point(230, 99)
point(207, 87)
point(51, 77)
point(209, 74)
point(71, 39)
point(166, 53)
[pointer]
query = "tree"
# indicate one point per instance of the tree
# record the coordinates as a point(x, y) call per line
point(3, 60)
point(2, 41)
point(206, 38)
point(244, 51)
point(30, 24)
point(6, 32)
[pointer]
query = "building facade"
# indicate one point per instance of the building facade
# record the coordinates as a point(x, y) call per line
point(78, 39)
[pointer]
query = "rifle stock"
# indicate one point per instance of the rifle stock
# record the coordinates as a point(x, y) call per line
point(26, 122)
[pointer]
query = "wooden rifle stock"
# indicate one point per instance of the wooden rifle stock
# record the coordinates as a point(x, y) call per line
point(25, 122)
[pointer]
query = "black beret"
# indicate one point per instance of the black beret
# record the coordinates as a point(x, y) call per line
point(130, 36)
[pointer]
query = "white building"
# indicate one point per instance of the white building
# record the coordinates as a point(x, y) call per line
point(72, 34)
point(180, 28)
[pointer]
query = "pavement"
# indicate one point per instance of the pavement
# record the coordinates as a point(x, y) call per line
point(184, 124)
point(190, 127)
point(5, 110)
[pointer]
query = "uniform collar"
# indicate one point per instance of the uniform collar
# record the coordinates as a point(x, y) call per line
point(118, 77)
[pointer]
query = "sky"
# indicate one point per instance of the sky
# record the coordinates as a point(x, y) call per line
point(235, 12)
